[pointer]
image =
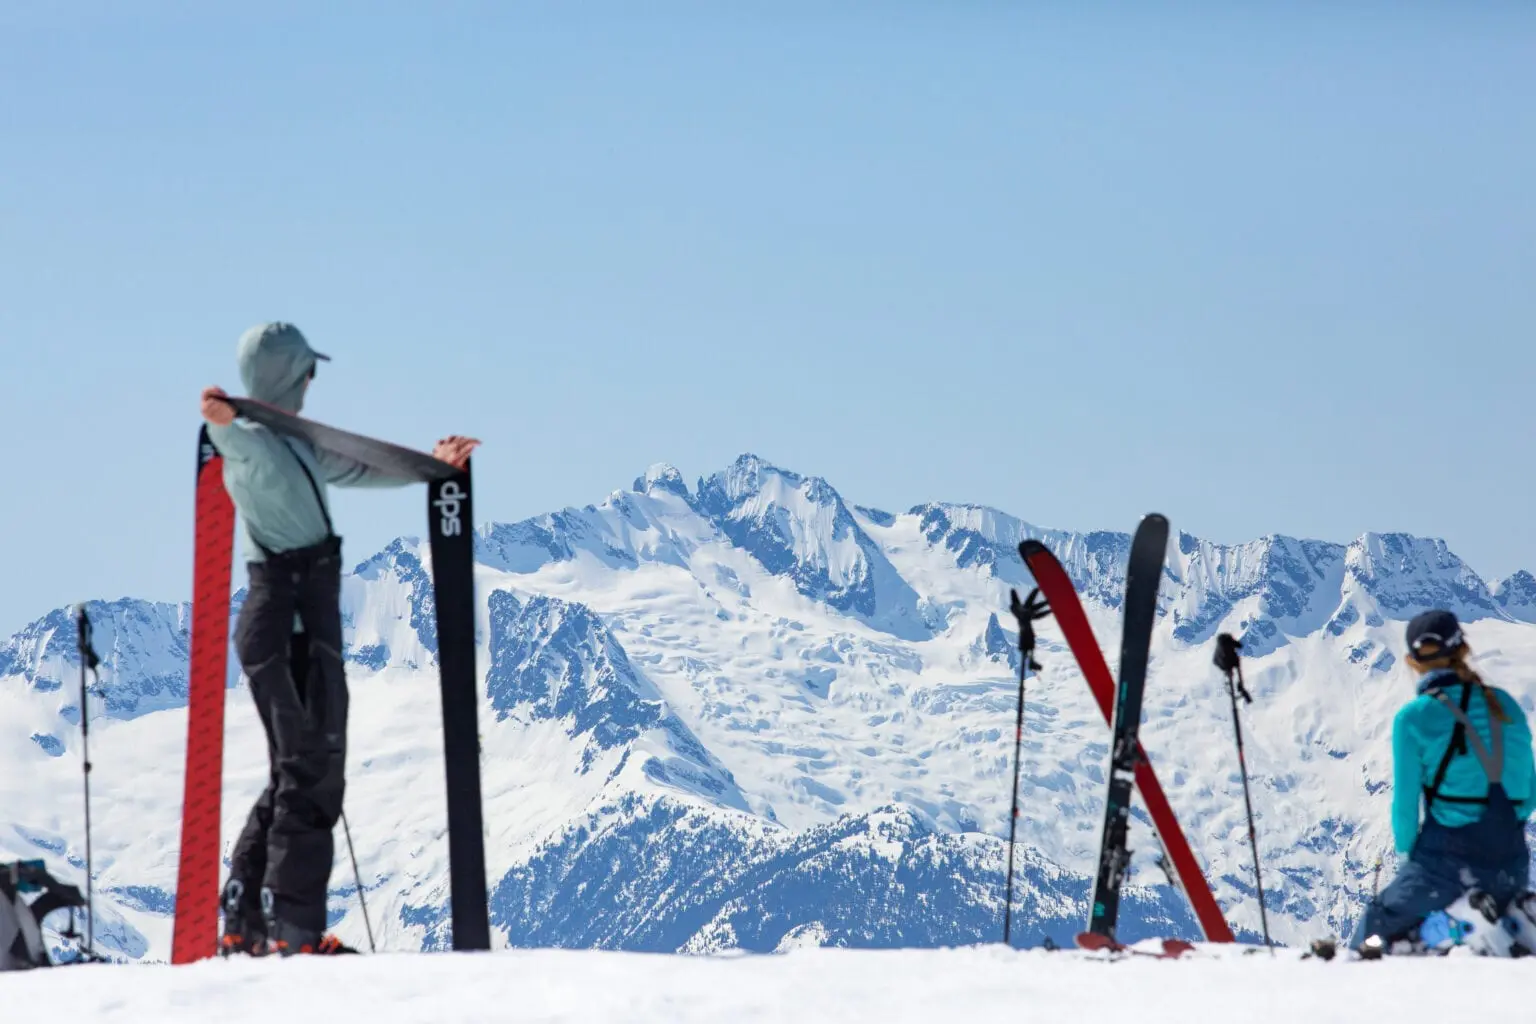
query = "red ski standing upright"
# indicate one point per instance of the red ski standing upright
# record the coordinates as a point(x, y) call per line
point(197, 881)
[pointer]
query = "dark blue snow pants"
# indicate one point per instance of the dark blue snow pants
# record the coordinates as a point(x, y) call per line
point(1490, 855)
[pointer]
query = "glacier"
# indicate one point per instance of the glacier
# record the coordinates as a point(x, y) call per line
point(749, 714)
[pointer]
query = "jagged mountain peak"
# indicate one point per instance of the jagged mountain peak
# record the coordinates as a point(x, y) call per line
point(754, 482)
point(1516, 594)
point(401, 550)
point(143, 651)
point(662, 477)
point(748, 475)
point(1403, 574)
point(800, 528)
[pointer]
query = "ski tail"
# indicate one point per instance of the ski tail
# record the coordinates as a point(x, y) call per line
point(451, 517)
point(195, 934)
point(1067, 608)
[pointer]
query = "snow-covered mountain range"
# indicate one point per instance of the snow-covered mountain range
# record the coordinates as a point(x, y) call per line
point(749, 714)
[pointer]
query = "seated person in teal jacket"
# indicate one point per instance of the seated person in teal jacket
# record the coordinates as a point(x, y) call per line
point(1463, 748)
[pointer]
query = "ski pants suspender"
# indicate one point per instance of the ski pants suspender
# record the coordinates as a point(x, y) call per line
point(1491, 760)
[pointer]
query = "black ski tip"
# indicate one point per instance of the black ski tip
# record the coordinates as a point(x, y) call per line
point(1153, 529)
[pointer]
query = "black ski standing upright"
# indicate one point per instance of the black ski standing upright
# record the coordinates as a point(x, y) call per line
point(451, 517)
point(1143, 574)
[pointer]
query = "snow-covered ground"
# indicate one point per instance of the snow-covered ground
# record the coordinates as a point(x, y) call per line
point(976, 984)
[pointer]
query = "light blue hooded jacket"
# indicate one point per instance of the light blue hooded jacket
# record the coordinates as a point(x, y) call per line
point(262, 469)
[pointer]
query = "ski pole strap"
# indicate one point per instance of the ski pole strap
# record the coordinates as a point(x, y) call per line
point(1492, 761)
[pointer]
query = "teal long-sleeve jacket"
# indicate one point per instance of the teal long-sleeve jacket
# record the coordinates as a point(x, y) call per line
point(263, 471)
point(1420, 735)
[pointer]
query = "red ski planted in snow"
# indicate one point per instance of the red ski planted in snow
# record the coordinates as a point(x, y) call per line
point(196, 933)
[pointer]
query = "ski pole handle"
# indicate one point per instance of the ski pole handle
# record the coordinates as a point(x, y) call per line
point(1227, 659)
point(1231, 663)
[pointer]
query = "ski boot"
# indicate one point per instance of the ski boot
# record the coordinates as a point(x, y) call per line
point(1520, 920)
point(244, 926)
point(285, 939)
point(1440, 932)
point(1480, 928)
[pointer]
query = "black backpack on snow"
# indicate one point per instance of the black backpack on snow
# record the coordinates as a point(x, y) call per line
point(21, 934)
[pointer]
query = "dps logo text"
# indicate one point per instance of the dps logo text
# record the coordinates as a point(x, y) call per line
point(449, 503)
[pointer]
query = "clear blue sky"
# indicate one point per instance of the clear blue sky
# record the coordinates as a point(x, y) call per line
point(1263, 267)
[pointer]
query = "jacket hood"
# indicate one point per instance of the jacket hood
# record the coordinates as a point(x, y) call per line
point(275, 361)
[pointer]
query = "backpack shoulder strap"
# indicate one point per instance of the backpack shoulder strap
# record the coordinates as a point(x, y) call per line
point(1458, 745)
point(1491, 760)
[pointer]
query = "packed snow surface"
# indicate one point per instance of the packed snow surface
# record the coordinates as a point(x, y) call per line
point(837, 986)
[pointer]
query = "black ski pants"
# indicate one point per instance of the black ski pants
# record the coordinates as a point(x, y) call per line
point(300, 691)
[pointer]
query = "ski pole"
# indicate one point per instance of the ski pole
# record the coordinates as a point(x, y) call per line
point(361, 899)
point(1230, 662)
point(1027, 611)
point(88, 661)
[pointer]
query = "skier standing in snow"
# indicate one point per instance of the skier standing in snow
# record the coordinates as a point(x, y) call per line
point(1464, 748)
point(289, 640)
